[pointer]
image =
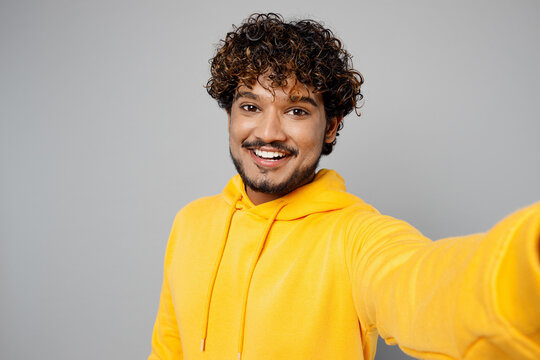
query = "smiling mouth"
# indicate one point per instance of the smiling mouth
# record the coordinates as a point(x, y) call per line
point(269, 155)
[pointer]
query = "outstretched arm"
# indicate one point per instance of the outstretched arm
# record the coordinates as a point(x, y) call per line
point(472, 297)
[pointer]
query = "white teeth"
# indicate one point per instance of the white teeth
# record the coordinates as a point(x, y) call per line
point(268, 154)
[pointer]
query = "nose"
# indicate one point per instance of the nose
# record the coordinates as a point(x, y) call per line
point(270, 127)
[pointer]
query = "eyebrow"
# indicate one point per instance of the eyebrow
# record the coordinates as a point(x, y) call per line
point(250, 95)
point(246, 94)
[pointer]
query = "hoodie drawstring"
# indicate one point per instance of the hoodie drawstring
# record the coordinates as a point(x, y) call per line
point(216, 268)
point(251, 271)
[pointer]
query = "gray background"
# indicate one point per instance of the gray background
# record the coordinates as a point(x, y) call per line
point(106, 131)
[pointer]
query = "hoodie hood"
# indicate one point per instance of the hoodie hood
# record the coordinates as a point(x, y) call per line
point(326, 192)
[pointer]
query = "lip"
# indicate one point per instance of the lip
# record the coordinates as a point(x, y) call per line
point(268, 163)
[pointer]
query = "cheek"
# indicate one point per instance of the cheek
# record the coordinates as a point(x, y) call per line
point(308, 137)
point(239, 129)
point(235, 135)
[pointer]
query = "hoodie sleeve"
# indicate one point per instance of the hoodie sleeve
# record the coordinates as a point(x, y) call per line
point(471, 297)
point(166, 343)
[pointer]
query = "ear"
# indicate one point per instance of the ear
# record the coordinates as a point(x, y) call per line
point(332, 128)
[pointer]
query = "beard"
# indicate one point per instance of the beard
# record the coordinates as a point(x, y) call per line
point(300, 176)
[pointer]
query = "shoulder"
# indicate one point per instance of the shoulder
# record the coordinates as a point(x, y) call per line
point(364, 221)
point(197, 216)
point(357, 213)
point(201, 207)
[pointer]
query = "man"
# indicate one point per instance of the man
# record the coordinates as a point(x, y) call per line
point(285, 264)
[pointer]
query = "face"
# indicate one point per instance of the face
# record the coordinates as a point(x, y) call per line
point(276, 140)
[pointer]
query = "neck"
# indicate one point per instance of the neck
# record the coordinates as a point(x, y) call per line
point(258, 197)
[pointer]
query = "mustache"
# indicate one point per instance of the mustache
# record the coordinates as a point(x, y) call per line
point(275, 144)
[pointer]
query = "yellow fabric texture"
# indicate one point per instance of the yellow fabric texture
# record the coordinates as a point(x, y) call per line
point(318, 274)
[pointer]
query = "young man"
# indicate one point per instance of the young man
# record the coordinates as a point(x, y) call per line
point(285, 264)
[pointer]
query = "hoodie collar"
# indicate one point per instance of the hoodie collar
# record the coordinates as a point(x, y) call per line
point(326, 192)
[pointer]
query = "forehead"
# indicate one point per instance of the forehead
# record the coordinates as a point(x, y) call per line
point(292, 91)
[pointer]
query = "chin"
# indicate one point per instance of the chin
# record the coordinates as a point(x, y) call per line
point(264, 184)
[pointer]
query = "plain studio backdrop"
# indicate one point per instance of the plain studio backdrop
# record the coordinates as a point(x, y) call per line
point(107, 131)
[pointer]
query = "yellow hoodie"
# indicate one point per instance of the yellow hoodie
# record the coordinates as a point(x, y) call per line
point(318, 273)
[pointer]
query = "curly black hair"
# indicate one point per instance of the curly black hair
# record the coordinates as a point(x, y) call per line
point(304, 49)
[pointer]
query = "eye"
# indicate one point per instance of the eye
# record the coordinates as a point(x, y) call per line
point(298, 112)
point(249, 108)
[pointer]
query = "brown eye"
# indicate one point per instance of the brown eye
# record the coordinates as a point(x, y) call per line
point(298, 112)
point(250, 108)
